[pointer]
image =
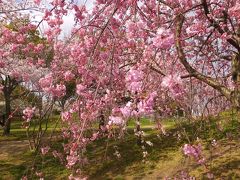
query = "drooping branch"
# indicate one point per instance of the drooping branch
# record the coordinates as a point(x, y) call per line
point(216, 25)
point(101, 33)
point(157, 70)
point(193, 72)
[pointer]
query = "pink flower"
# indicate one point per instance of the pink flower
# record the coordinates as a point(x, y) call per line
point(60, 90)
point(2, 64)
point(39, 48)
point(28, 113)
point(174, 84)
point(47, 13)
point(15, 47)
point(235, 12)
point(116, 111)
point(235, 8)
point(71, 160)
point(37, 2)
point(68, 75)
point(145, 106)
point(164, 39)
point(126, 111)
point(94, 136)
point(24, 177)
point(134, 75)
point(44, 150)
point(115, 120)
point(66, 116)
point(201, 161)
point(15, 74)
point(20, 38)
point(167, 81)
point(210, 175)
point(134, 80)
point(131, 26)
point(41, 62)
point(46, 81)
point(192, 150)
point(80, 89)
point(225, 36)
point(55, 154)
point(40, 174)
point(71, 177)
point(135, 87)
point(176, 90)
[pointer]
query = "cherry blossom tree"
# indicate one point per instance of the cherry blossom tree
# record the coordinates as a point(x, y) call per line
point(127, 58)
point(21, 57)
point(141, 50)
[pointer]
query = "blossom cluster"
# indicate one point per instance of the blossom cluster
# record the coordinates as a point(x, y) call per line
point(28, 113)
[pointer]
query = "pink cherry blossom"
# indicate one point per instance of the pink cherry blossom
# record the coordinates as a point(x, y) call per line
point(44, 150)
point(80, 88)
point(66, 116)
point(28, 113)
point(37, 2)
point(126, 110)
point(72, 160)
point(115, 120)
point(151, 53)
point(68, 75)
point(46, 81)
point(174, 84)
point(59, 90)
point(193, 150)
point(134, 80)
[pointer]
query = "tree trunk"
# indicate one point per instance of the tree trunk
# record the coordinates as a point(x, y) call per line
point(7, 123)
point(235, 98)
point(138, 132)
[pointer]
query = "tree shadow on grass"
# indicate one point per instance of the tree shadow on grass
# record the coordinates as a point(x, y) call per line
point(131, 164)
point(11, 171)
point(228, 170)
point(131, 161)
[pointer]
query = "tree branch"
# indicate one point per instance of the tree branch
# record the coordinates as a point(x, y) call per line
point(193, 72)
point(216, 25)
point(157, 70)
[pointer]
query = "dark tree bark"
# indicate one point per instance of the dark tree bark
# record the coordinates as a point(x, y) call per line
point(235, 98)
point(7, 121)
point(9, 86)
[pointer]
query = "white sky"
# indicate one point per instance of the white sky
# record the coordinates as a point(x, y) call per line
point(68, 20)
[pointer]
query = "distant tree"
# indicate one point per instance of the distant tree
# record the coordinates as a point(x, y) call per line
point(22, 61)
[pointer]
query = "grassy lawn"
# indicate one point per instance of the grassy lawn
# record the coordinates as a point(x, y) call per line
point(18, 132)
point(16, 158)
point(164, 159)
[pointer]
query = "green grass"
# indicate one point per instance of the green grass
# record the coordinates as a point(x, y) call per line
point(165, 158)
point(131, 161)
point(18, 132)
point(17, 166)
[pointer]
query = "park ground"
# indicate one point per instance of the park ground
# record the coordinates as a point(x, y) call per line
point(165, 158)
